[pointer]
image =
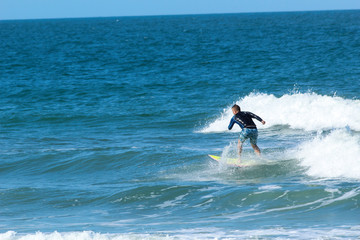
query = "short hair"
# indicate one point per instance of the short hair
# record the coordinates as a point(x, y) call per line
point(237, 107)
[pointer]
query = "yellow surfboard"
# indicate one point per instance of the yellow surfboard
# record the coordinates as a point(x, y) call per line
point(231, 161)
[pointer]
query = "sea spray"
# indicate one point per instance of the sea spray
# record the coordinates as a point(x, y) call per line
point(229, 151)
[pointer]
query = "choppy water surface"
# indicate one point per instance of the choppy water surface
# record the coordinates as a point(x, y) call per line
point(106, 125)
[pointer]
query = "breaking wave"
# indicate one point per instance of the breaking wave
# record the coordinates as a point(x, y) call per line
point(307, 111)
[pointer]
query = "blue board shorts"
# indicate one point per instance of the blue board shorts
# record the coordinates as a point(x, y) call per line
point(249, 133)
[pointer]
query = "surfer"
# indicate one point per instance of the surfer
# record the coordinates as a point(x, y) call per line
point(249, 130)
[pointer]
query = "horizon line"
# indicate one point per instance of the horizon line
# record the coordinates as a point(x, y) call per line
point(177, 14)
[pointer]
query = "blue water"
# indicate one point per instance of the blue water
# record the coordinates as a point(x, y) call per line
point(106, 124)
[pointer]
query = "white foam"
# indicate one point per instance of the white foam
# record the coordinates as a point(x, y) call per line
point(347, 195)
point(335, 155)
point(308, 111)
point(172, 203)
point(85, 235)
point(270, 187)
point(342, 232)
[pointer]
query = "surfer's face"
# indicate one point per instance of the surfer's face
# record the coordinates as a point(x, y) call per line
point(235, 111)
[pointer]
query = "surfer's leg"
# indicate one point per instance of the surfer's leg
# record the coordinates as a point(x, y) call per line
point(243, 136)
point(256, 149)
point(253, 141)
point(239, 149)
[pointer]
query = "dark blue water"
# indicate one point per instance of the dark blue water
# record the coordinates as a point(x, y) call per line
point(106, 124)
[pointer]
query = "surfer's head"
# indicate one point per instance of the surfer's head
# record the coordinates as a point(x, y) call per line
point(235, 109)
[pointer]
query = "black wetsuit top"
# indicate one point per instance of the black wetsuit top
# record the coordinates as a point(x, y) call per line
point(244, 119)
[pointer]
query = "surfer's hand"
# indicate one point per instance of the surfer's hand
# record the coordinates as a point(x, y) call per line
point(263, 122)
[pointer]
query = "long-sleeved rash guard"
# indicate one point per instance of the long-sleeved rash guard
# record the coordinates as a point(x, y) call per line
point(244, 120)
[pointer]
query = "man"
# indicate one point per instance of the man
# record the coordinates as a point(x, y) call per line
point(249, 130)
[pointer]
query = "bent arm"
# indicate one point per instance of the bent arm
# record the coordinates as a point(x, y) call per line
point(257, 117)
point(232, 122)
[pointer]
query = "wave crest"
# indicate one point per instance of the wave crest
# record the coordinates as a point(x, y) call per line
point(307, 111)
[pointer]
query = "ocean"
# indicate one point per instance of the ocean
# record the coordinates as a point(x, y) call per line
point(106, 125)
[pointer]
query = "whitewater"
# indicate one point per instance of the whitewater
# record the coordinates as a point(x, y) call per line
point(306, 111)
point(328, 127)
